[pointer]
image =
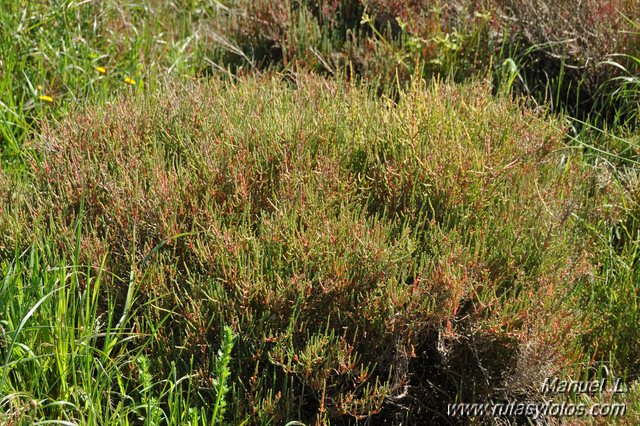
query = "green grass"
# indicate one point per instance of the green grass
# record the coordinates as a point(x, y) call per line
point(67, 360)
point(326, 215)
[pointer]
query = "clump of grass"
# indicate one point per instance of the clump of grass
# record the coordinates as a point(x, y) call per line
point(67, 360)
point(622, 93)
point(358, 246)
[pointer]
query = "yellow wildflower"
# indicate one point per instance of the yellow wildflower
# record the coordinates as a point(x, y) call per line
point(101, 70)
point(130, 81)
point(46, 98)
point(39, 87)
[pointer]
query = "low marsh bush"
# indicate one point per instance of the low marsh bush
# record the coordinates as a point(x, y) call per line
point(366, 252)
